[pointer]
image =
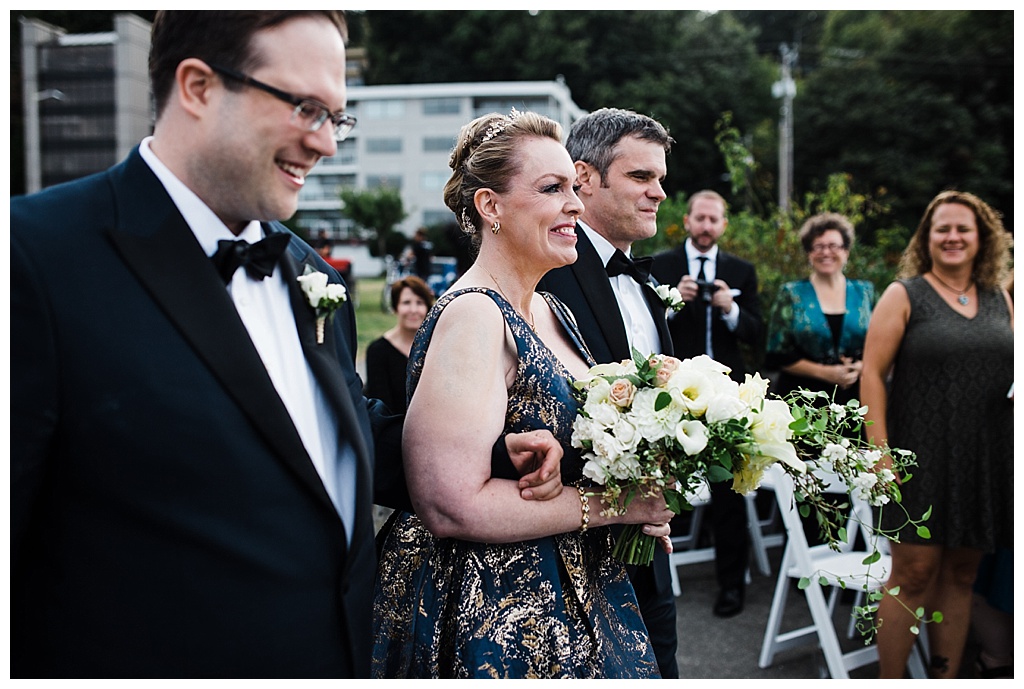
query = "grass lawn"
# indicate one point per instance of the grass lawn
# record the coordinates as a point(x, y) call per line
point(371, 321)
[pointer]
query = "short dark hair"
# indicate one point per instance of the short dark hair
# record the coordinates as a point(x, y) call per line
point(817, 225)
point(215, 37)
point(594, 137)
point(417, 285)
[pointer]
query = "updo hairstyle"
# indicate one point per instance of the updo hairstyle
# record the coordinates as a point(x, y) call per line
point(486, 156)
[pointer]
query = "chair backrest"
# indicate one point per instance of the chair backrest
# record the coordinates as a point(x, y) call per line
point(857, 517)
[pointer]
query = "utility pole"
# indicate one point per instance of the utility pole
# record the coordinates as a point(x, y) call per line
point(785, 88)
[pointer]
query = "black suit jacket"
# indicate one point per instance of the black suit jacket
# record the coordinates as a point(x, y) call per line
point(584, 287)
point(166, 518)
point(686, 325)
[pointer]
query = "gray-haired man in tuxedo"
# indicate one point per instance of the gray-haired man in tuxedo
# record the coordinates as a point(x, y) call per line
point(620, 166)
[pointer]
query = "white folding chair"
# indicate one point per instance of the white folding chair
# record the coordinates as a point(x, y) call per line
point(684, 547)
point(760, 541)
point(801, 560)
point(685, 552)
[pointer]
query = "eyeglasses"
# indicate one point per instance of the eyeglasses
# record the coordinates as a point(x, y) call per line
point(818, 248)
point(308, 114)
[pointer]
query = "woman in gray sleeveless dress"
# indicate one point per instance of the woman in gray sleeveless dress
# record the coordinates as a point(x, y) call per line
point(944, 331)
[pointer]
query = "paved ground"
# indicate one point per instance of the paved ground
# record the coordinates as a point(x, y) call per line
point(713, 648)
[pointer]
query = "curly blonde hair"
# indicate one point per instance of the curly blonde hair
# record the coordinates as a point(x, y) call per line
point(486, 156)
point(991, 265)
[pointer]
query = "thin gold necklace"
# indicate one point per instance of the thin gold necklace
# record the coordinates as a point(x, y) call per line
point(498, 285)
point(961, 294)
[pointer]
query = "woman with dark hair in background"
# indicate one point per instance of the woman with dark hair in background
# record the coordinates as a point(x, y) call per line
point(387, 357)
point(817, 326)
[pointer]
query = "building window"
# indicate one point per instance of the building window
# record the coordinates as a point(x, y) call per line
point(433, 181)
point(389, 181)
point(326, 187)
point(337, 227)
point(346, 154)
point(432, 218)
point(382, 109)
point(437, 144)
point(442, 106)
point(383, 145)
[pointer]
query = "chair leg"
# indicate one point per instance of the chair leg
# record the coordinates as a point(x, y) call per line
point(676, 588)
point(826, 632)
point(917, 663)
point(756, 538)
point(774, 624)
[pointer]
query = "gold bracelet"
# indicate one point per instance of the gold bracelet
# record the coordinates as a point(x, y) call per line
point(585, 507)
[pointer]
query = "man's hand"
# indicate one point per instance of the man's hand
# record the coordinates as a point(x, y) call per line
point(687, 288)
point(538, 457)
point(722, 297)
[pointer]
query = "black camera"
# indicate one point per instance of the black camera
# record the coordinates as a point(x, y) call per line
point(705, 289)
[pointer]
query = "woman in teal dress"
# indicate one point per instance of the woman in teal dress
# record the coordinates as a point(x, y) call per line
point(480, 583)
point(817, 326)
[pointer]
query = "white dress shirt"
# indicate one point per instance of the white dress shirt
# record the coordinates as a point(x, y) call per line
point(641, 330)
point(263, 305)
point(732, 318)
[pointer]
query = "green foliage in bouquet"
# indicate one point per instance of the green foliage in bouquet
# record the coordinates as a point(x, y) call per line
point(658, 423)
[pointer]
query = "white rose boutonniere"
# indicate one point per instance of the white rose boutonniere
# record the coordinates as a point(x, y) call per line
point(324, 297)
point(670, 297)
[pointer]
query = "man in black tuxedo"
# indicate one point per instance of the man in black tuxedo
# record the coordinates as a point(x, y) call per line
point(191, 453)
point(721, 311)
point(620, 163)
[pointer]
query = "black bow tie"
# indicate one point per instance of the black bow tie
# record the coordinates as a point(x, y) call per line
point(259, 259)
point(638, 269)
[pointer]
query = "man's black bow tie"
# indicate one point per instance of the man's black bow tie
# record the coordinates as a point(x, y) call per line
point(638, 269)
point(259, 259)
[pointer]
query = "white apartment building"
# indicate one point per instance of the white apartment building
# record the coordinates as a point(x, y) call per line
point(403, 139)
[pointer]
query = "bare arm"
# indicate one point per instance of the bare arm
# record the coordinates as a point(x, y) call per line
point(454, 417)
point(885, 334)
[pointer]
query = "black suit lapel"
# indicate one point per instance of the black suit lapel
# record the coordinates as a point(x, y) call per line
point(323, 358)
point(169, 262)
point(597, 290)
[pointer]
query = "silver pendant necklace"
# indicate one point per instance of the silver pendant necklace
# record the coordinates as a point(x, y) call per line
point(961, 294)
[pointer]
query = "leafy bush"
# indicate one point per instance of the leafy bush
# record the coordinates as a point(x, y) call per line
point(770, 239)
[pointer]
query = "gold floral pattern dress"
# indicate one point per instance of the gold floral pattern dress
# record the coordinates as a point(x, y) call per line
point(552, 607)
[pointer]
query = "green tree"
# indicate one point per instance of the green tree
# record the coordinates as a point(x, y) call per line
point(910, 103)
point(683, 68)
point(376, 211)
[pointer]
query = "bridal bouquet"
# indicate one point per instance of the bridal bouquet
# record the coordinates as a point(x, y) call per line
point(661, 423)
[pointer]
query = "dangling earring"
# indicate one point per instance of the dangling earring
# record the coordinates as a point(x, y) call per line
point(496, 227)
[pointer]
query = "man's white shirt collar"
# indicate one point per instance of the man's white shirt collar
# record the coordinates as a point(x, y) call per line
point(206, 226)
point(693, 252)
point(603, 246)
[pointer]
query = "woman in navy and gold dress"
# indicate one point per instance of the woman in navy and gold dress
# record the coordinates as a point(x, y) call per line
point(480, 583)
